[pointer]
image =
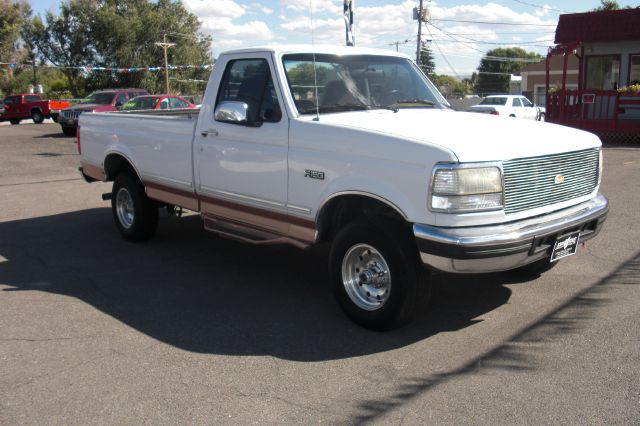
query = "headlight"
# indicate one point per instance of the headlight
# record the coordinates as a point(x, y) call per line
point(456, 189)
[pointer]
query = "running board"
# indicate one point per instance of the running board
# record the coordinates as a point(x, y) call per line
point(247, 234)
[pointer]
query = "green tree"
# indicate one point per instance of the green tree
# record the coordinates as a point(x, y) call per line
point(450, 86)
point(121, 34)
point(67, 40)
point(607, 5)
point(498, 64)
point(12, 17)
point(129, 30)
point(427, 63)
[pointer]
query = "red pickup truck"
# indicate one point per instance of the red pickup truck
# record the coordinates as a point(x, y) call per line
point(25, 106)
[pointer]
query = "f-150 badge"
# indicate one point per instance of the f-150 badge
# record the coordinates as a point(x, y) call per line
point(314, 174)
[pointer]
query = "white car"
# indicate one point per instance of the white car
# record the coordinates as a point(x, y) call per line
point(509, 106)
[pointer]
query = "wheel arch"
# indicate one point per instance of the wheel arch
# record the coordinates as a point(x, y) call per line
point(115, 163)
point(344, 207)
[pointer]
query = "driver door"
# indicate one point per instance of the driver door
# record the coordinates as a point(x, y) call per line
point(242, 167)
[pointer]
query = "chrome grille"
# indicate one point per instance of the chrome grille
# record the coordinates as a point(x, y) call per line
point(70, 114)
point(533, 182)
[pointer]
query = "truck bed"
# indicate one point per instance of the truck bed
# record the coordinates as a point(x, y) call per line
point(158, 143)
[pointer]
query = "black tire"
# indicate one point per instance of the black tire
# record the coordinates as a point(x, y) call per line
point(69, 131)
point(536, 268)
point(403, 286)
point(14, 121)
point(37, 116)
point(54, 117)
point(135, 215)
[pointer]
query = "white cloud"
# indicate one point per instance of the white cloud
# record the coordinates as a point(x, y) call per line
point(257, 7)
point(215, 8)
point(219, 18)
point(332, 6)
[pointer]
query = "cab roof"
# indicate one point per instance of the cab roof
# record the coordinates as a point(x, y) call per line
point(279, 49)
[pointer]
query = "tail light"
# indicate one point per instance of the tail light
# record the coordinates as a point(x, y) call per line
point(78, 140)
point(495, 112)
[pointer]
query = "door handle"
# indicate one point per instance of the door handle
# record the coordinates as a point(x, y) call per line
point(207, 132)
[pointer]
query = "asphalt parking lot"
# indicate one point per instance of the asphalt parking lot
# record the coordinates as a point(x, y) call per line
point(191, 328)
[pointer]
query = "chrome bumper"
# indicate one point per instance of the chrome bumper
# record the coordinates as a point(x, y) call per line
point(507, 246)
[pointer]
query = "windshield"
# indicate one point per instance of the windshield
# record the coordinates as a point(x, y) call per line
point(141, 103)
point(357, 82)
point(100, 98)
point(494, 101)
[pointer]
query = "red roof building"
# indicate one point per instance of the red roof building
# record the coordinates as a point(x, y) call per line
point(607, 45)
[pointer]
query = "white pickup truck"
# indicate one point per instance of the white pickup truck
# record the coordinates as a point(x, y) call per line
point(308, 144)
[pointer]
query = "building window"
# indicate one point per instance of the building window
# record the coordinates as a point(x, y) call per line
point(634, 69)
point(603, 72)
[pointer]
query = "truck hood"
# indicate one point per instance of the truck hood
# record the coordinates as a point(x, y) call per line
point(470, 136)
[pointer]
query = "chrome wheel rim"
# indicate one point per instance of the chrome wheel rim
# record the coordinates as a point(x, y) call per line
point(124, 208)
point(366, 277)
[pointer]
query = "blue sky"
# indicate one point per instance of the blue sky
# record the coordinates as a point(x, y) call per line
point(457, 46)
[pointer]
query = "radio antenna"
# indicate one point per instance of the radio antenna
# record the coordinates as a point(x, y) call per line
point(315, 74)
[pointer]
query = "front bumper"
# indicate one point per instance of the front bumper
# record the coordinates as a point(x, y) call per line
point(68, 122)
point(507, 246)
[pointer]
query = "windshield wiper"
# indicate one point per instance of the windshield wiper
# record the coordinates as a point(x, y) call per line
point(352, 107)
point(413, 103)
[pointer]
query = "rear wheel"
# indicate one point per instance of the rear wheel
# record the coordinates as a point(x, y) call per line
point(135, 215)
point(377, 278)
point(69, 131)
point(37, 116)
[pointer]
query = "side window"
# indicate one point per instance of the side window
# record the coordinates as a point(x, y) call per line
point(526, 102)
point(121, 99)
point(249, 81)
point(12, 100)
point(32, 98)
point(164, 104)
point(517, 103)
point(177, 103)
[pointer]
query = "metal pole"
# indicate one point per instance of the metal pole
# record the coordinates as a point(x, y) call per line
point(419, 48)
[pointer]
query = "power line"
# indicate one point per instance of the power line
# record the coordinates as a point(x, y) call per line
point(542, 7)
point(512, 43)
point(493, 23)
point(443, 55)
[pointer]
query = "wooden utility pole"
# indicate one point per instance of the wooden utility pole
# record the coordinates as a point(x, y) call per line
point(396, 43)
point(419, 48)
point(165, 46)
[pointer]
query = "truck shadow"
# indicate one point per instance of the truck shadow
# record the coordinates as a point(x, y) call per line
point(193, 290)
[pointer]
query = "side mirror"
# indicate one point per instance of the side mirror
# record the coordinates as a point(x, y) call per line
point(233, 112)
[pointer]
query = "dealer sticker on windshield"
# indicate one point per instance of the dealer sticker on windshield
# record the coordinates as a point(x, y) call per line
point(565, 246)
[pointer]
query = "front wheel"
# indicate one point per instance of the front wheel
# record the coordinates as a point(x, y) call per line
point(376, 275)
point(135, 215)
